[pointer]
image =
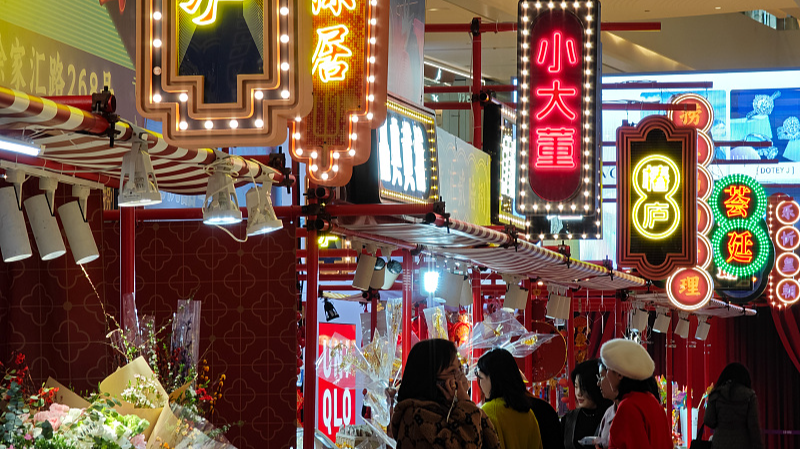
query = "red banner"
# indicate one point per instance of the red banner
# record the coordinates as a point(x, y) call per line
point(336, 398)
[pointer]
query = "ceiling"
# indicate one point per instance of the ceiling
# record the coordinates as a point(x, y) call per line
point(631, 51)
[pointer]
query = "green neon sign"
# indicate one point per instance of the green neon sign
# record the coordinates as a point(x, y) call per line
point(740, 247)
point(738, 197)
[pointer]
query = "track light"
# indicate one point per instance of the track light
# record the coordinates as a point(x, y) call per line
point(430, 281)
point(41, 215)
point(364, 270)
point(682, 328)
point(393, 270)
point(662, 322)
point(221, 205)
point(14, 243)
point(466, 293)
point(17, 146)
point(450, 290)
point(137, 183)
point(516, 297)
point(558, 306)
point(378, 274)
point(703, 327)
point(261, 216)
point(79, 234)
point(330, 310)
point(639, 319)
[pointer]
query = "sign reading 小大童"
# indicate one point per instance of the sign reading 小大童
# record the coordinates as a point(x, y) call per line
point(558, 159)
point(349, 69)
point(223, 73)
point(656, 200)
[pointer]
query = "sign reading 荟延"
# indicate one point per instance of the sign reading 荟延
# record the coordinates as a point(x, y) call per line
point(349, 70)
point(223, 73)
point(407, 155)
point(739, 241)
point(336, 399)
point(656, 197)
point(784, 213)
point(558, 159)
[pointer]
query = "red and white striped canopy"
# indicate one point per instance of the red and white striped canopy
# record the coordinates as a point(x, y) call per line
point(71, 137)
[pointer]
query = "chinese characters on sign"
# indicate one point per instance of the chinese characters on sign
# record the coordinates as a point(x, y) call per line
point(784, 214)
point(230, 74)
point(406, 154)
point(656, 197)
point(690, 289)
point(348, 71)
point(558, 160)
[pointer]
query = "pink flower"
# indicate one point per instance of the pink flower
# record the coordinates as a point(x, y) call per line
point(138, 441)
point(28, 437)
point(59, 408)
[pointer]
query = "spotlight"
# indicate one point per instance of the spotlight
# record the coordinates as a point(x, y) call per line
point(41, 215)
point(430, 281)
point(76, 227)
point(393, 270)
point(261, 216)
point(682, 328)
point(466, 293)
point(14, 242)
point(451, 286)
point(17, 146)
point(639, 319)
point(138, 184)
point(558, 307)
point(364, 270)
point(221, 205)
point(516, 297)
point(378, 274)
point(662, 322)
point(330, 311)
point(703, 327)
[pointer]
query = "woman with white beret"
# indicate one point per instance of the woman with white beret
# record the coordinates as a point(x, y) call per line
point(626, 375)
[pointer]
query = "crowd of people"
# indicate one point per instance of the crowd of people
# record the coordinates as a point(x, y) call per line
point(616, 396)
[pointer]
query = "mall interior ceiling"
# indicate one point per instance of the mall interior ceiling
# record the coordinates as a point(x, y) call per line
point(702, 35)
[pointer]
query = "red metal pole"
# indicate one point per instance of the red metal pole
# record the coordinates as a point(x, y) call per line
point(512, 26)
point(630, 26)
point(689, 400)
point(669, 375)
point(127, 256)
point(408, 277)
point(477, 119)
point(527, 318)
point(310, 377)
point(477, 316)
point(571, 352)
point(448, 105)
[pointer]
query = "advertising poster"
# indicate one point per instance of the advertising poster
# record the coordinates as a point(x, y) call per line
point(336, 398)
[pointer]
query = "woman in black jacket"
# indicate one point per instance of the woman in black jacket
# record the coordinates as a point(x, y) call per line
point(584, 420)
point(732, 410)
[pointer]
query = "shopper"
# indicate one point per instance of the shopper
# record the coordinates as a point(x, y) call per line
point(505, 400)
point(583, 421)
point(433, 408)
point(640, 421)
point(732, 410)
point(549, 424)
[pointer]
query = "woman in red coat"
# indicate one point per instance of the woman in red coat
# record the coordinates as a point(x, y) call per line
point(626, 375)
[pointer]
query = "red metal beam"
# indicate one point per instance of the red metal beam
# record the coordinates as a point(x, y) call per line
point(127, 256)
point(310, 375)
point(408, 279)
point(448, 105)
point(512, 26)
point(55, 167)
point(630, 26)
point(647, 106)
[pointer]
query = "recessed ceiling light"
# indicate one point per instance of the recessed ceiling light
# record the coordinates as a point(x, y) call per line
point(718, 7)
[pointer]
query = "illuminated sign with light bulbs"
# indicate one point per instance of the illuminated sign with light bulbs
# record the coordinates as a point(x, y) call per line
point(407, 156)
point(656, 197)
point(223, 73)
point(784, 213)
point(690, 289)
point(348, 66)
point(558, 159)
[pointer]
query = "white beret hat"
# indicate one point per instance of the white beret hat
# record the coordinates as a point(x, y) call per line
point(627, 358)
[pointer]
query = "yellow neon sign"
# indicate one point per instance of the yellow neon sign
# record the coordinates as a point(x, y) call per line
point(208, 16)
point(335, 6)
point(655, 174)
point(329, 54)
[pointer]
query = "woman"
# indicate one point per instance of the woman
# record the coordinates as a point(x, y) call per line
point(626, 374)
point(505, 401)
point(433, 409)
point(732, 410)
point(585, 419)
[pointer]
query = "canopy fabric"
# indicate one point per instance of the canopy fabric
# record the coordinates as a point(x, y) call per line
point(76, 137)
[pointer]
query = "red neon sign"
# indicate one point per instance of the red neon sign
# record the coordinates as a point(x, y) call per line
point(738, 201)
point(740, 247)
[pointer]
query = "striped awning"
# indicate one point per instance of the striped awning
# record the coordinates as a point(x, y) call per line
point(73, 137)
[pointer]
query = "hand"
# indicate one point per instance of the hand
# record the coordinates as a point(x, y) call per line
point(448, 387)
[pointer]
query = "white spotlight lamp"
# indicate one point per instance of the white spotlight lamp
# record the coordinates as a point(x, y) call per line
point(466, 293)
point(261, 218)
point(79, 234)
point(138, 184)
point(393, 270)
point(430, 281)
point(682, 328)
point(516, 297)
point(14, 243)
point(364, 270)
point(639, 318)
point(221, 205)
point(378, 274)
point(451, 286)
point(703, 327)
point(41, 215)
point(662, 322)
point(558, 306)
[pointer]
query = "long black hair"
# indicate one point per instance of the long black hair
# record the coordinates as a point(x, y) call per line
point(588, 371)
point(737, 373)
point(426, 360)
point(502, 370)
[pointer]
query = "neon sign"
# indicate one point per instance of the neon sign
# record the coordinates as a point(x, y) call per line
point(657, 197)
point(738, 196)
point(206, 95)
point(690, 289)
point(348, 70)
point(786, 212)
point(656, 214)
point(740, 247)
point(558, 159)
